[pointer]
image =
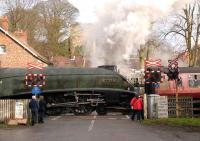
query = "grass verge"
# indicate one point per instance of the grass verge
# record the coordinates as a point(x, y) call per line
point(174, 121)
point(7, 126)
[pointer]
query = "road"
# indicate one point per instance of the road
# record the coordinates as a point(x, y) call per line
point(113, 127)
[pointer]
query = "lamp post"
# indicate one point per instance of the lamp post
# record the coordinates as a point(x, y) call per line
point(177, 105)
point(152, 75)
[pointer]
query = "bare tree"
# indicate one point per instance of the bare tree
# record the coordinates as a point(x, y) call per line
point(147, 50)
point(16, 12)
point(47, 23)
point(187, 26)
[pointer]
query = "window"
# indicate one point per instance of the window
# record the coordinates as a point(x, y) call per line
point(2, 49)
point(194, 81)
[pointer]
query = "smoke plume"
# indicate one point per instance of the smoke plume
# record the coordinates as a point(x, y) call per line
point(122, 26)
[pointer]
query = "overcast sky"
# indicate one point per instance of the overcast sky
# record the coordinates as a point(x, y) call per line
point(87, 9)
point(1, 6)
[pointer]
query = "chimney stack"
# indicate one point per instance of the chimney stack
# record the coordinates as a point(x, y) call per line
point(4, 22)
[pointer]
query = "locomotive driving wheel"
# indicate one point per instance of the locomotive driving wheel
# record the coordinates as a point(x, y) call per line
point(54, 111)
point(82, 109)
point(101, 109)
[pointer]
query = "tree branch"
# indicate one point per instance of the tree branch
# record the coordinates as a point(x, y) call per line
point(176, 32)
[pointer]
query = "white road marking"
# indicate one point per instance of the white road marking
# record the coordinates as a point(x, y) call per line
point(114, 114)
point(124, 118)
point(92, 124)
point(56, 118)
point(127, 117)
point(112, 118)
point(69, 114)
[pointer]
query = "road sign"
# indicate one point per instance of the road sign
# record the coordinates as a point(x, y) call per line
point(35, 80)
point(173, 64)
point(150, 63)
point(152, 71)
point(39, 66)
point(36, 91)
point(152, 75)
point(18, 110)
point(173, 70)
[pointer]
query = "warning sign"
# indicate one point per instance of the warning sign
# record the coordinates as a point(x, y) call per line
point(19, 110)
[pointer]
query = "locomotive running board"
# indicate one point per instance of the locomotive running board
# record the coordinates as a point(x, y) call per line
point(92, 90)
point(89, 90)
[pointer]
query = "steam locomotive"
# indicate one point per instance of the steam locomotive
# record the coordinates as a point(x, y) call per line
point(70, 90)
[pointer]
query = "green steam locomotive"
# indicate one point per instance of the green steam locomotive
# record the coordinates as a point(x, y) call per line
point(70, 90)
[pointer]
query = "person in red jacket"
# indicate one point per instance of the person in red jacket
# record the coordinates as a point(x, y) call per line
point(137, 106)
point(133, 111)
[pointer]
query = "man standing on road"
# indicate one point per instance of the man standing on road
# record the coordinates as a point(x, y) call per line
point(34, 106)
point(42, 107)
point(137, 106)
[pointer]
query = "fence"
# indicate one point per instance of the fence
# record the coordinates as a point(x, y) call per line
point(13, 109)
point(185, 106)
point(165, 106)
point(196, 107)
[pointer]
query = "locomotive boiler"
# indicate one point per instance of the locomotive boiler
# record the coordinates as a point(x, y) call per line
point(74, 90)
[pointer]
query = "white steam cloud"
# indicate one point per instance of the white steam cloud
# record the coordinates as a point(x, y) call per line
point(121, 26)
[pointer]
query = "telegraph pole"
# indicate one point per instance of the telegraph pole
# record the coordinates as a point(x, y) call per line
point(173, 74)
point(177, 104)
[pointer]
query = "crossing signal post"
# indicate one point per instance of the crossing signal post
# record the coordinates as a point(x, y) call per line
point(147, 84)
point(152, 82)
point(35, 80)
point(148, 81)
point(148, 75)
point(152, 75)
point(156, 75)
point(173, 74)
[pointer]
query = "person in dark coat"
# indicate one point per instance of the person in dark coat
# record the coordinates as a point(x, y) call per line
point(34, 106)
point(42, 107)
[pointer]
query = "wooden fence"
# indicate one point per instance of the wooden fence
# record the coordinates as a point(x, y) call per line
point(9, 109)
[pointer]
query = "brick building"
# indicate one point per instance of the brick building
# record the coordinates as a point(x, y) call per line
point(14, 50)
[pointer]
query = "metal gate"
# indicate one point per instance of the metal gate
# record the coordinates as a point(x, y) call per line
point(185, 106)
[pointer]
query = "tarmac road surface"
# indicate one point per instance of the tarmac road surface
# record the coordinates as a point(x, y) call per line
point(113, 127)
